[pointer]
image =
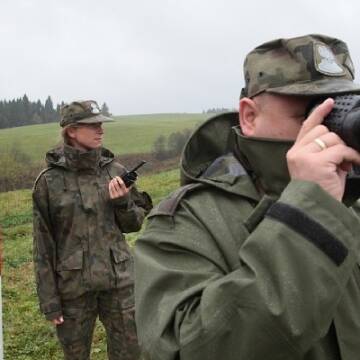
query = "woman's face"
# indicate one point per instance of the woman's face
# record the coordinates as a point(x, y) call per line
point(86, 136)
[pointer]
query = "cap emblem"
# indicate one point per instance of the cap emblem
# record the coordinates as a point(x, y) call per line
point(94, 108)
point(326, 62)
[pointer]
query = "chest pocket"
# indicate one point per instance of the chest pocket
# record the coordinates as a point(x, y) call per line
point(103, 184)
point(64, 197)
point(122, 262)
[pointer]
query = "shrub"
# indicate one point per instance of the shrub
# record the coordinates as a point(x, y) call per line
point(172, 146)
point(17, 169)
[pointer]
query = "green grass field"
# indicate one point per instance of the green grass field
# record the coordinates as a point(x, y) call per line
point(27, 335)
point(128, 134)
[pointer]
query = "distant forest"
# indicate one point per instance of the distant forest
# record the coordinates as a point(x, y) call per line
point(22, 111)
point(217, 110)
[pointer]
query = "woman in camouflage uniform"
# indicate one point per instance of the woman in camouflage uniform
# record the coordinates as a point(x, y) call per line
point(82, 262)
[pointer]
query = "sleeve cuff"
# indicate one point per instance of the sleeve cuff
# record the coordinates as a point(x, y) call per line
point(51, 307)
point(121, 202)
point(332, 215)
point(53, 315)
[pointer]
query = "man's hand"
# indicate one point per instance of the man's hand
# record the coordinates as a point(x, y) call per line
point(117, 188)
point(57, 321)
point(319, 155)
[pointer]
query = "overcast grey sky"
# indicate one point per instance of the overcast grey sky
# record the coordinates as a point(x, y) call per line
point(147, 56)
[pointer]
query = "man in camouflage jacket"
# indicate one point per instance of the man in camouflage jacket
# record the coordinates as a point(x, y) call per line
point(82, 262)
point(256, 255)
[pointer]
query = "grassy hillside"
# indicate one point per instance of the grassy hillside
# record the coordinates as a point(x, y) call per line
point(128, 134)
point(27, 334)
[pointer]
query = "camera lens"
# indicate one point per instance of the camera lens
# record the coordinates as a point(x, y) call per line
point(344, 119)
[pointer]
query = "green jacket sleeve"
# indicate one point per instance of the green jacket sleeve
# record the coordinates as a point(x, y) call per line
point(44, 253)
point(276, 304)
point(130, 211)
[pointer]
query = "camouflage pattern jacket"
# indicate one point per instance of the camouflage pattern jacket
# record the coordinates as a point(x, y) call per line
point(79, 244)
point(224, 272)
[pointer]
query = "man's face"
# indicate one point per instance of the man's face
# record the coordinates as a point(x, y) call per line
point(273, 116)
point(86, 136)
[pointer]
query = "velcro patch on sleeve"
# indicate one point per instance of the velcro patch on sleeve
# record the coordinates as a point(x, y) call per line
point(310, 229)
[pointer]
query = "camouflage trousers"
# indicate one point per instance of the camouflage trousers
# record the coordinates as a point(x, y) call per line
point(115, 309)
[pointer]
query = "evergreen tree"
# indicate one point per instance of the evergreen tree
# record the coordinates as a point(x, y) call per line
point(24, 106)
point(105, 110)
point(36, 118)
point(49, 113)
point(4, 122)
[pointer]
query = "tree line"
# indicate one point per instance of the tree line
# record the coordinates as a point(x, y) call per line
point(22, 111)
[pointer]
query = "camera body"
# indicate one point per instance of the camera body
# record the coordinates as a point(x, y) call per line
point(344, 119)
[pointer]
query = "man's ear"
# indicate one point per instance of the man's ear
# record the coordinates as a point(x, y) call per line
point(248, 112)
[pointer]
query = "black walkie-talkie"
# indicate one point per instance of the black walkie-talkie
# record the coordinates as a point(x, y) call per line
point(130, 176)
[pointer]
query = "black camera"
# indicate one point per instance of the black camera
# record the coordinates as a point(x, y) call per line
point(344, 118)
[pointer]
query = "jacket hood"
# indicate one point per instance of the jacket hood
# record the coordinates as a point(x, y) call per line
point(218, 154)
point(208, 157)
point(209, 141)
point(70, 158)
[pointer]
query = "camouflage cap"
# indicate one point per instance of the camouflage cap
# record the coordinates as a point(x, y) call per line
point(311, 65)
point(82, 112)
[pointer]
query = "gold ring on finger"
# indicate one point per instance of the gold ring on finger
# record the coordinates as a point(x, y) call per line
point(321, 143)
